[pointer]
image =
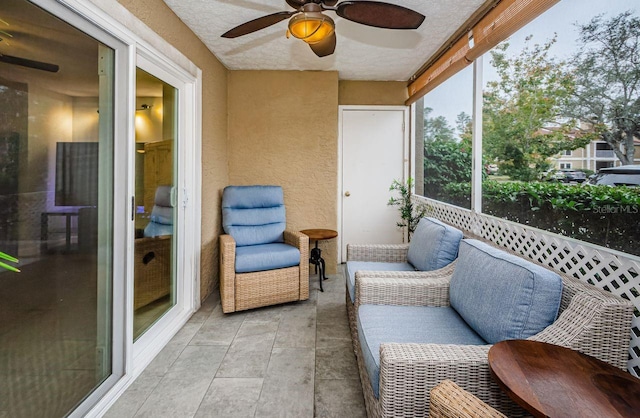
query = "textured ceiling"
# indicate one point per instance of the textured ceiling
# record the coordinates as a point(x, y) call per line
point(362, 52)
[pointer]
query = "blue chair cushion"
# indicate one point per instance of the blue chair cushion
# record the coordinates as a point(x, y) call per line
point(353, 266)
point(502, 296)
point(266, 257)
point(434, 245)
point(253, 215)
point(379, 324)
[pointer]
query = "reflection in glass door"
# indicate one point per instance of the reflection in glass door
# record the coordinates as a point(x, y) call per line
point(56, 202)
point(154, 246)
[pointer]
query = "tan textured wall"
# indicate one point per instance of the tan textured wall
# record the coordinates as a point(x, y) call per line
point(283, 130)
point(156, 15)
point(372, 92)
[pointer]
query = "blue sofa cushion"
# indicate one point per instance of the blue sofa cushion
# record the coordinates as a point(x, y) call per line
point(433, 245)
point(379, 324)
point(353, 266)
point(266, 257)
point(502, 296)
point(253, 215)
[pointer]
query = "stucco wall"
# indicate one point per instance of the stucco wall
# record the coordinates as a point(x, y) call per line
point(283, 130)
point(157, 15)
point(372, 92)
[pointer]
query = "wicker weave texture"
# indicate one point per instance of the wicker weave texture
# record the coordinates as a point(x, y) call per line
point(592, 321)
point(152, 269)
point(384, 253)
point(449, 400)
point(252, 290)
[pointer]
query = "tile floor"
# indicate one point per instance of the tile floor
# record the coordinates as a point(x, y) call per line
point(292, 360)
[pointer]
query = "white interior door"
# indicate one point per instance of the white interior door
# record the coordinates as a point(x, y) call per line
point(374, 148)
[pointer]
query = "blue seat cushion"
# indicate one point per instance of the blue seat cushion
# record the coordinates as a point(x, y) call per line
point(379, 324)
point(502, 296)
point(353, 266)
point(266, 257)
point(433, 245)
point(253, 215)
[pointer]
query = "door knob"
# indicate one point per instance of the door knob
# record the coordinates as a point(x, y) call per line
point(347, 194)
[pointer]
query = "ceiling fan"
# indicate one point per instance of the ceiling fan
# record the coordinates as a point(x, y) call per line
point(317, 29)
point(24, 62)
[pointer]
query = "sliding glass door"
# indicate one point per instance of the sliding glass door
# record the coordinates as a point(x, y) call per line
point(56, 212)
point(154, 264)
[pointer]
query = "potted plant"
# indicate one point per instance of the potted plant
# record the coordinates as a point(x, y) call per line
point(410, 214)
point(7, 257)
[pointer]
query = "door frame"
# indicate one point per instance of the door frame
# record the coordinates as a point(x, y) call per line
point(406, 153)
point(187, 298)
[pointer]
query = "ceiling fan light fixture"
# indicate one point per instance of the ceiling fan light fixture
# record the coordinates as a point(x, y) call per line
point(311, 27)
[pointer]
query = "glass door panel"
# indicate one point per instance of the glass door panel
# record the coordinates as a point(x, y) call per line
point(56, 205)
point(154, 246)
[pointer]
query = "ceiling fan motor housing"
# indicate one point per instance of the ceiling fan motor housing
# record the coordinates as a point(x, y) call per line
point(311, 25)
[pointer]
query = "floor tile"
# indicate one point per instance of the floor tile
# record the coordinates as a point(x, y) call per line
point(339, 398)
point(249, 354)
point(288, 388)
point(177, 395)
point(335, 362)
point(230, 397)
point(134, 397)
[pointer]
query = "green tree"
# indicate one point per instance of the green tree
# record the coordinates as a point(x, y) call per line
point(607, 77)
point(523, 121)
point(445, 162)
point(436, 129)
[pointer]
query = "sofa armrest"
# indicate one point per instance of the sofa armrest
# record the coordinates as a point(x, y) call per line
point(227, 273)
point(384, 253)
point(594, 323)
point(401, 290)
point(301, 242)
point(409, 371)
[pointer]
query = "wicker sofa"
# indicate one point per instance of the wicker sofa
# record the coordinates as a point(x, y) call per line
point(589, 320)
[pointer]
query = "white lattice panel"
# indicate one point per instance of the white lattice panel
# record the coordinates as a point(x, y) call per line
point(610, 270)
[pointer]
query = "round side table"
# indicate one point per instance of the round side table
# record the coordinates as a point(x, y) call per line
point(315, 253)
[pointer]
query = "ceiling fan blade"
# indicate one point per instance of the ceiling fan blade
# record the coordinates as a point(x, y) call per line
point(257, 24)
point(380, 15)
point(325, 47)
point(296, 4)
point(38, 65)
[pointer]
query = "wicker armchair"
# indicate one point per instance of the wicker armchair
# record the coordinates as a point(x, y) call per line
point(152, 254)
point(392, 255)
point(591, 320)
point(449, 400)
point(272, 266)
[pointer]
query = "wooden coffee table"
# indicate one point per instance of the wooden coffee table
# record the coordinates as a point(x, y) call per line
point(552, 381)
point(315, 253)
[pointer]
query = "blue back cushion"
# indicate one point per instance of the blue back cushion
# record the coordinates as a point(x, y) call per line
point(253, 215)
point(161, 219)
point(433, 245)
point(502, 296)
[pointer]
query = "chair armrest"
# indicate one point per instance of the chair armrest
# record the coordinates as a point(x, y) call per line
point(227, 273)
point(298, 240)
point(402, 290)
point(449, 400)
point(301, 242)
point(387, 253)
point(594, 323)
point(409, 371)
